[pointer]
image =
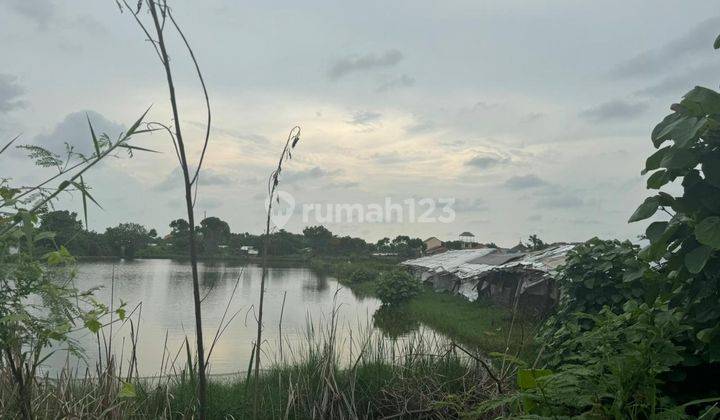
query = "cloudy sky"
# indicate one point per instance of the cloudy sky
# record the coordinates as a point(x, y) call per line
point(533, 115)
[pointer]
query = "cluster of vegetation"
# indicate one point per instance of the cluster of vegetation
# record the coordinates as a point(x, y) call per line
point(215, 239)
point(637, 332)
point(397, 287)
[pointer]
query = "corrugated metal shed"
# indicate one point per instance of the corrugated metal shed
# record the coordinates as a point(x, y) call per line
point(469, 267)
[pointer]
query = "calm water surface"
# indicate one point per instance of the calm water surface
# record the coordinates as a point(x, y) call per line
point(164, 288)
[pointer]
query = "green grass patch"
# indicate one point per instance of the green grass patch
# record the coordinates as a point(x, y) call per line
point(482, 325)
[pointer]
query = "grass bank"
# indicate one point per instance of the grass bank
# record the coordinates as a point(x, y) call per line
point(482, 325)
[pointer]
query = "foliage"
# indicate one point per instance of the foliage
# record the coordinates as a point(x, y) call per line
point(402, 245)
point(38, 305)
point(126, 239)
point(535, 243)
point(685, 246)
point(597, 274)
point(215, 232)
point(362, 275)
point(397, 287)
point(614, 370)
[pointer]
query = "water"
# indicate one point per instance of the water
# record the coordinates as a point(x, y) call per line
point(164, 287)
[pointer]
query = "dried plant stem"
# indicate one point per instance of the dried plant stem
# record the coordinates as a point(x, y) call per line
point(292, 140)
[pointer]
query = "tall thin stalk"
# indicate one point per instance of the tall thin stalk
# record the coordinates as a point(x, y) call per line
point(273, 182)
point(160, 12)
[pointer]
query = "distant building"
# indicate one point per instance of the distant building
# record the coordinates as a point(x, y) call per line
point(468, 241)
point(434, 245)
point(249, 250)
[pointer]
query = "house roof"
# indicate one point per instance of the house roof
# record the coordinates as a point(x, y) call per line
point(431, 238)
point(467, 234)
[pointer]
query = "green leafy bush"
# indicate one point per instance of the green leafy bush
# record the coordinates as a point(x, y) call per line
point(597, 274)
point(612, 371)
point(362, 275)
point(685, 246)
point(397, 287)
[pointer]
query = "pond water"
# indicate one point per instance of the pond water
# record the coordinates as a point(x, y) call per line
point(164, 287)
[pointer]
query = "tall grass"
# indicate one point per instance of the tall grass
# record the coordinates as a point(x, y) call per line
point(327, 375)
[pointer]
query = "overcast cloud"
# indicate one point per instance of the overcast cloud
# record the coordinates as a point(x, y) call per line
point(534, 116)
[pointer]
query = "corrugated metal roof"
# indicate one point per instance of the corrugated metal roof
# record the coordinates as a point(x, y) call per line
point(469, 263)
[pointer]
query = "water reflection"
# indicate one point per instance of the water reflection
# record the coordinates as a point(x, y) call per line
point(394, 322)
point(164, 288)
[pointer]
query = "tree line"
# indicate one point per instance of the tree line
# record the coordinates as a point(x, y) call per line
point(131, 240)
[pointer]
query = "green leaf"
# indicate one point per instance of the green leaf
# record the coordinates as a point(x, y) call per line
point(661, 131)
point(716, 44)
point(527, 378)
point(94, 137)
point(678, 159)
point(92, 324)
point(653, 162)
point(695, 260)
point(127, 390)
point(655, 231)
point(705, 335)
point(645, 210)
point(707, 232)
point(135, 125)
point(687, 131)
point(708, 99)
point(127, 146)
point(658, 179)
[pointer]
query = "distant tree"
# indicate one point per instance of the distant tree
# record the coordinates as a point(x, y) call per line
point(383, 245)
point(318, 237)
point(536, 243)
point(126, 239)
point(67, 229)
point(214, 232)
point(152, 233)
point(180, 235)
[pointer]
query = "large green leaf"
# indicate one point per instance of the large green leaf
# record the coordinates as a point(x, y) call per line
point(527, 378)
point(708, 99)
point(653, 162)
point(662, 130)
point(695, 260)
point(657, 180)
point(656, 230)
point(716, 44)
point(686, 133)
point(707, 232)
point(678, 159)
point(645, 210)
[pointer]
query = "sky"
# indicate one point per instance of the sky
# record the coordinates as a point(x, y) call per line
point(533, 116)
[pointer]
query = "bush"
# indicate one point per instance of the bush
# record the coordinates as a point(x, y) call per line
point(397, 287)
point(597, 274)
point(362, 275)
point(614, 370)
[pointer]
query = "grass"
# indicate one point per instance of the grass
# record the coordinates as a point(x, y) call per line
point(482, 325)
point(410, 378)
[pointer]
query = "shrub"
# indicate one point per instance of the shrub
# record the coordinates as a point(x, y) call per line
point(362, 275)
point(613, 371)
point(597, 274)
point(397, 287)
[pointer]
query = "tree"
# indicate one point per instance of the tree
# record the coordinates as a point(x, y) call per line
point(536, 243)
point(215, 232)
point(126, 239)
point(319, 238)
point(180, 235)
point(67, 230)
